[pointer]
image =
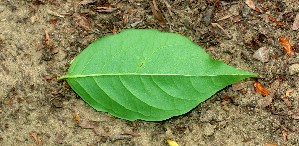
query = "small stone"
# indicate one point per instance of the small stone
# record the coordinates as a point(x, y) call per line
point(293, 69)
point(296, 23)
point(262, 54)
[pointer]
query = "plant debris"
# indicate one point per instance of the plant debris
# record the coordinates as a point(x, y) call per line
point(106, 9)
point(82, 21)
point(76, 118)
point(278, 23)
point(261, 89)
point(157, 13)
point(222, 31)
point(251, 5)
point(286, 45)
point(84, 2)
point(49, 42)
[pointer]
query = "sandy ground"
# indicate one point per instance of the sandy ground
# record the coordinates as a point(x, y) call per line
point(39, 38)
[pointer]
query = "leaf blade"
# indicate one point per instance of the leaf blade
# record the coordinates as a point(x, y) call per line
point(148, 75)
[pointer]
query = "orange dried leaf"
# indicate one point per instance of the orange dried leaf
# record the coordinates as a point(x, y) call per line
point(286, 45)
point(261, 89)
point(76, 118)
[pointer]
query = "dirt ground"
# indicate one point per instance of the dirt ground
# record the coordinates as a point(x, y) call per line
point(39, 38)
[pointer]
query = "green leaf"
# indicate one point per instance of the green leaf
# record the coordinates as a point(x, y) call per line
point(148, 75)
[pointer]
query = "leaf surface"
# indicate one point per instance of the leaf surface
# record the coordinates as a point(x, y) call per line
point(147, 74)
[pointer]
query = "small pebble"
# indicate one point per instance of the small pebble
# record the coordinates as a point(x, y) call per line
point(262, 54)
point(296, 23)
point(293, 69)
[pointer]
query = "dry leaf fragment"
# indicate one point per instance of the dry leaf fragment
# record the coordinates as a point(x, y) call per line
point(261, 89)
point(82, 21)
point(270, 144)
point(216, 25)
point(106, 9)
point(286, 45)
point(84, 2)
point(76, 118)
point(55, 13)
point(157, 13)
point(250, 4)
point(278, 23)
point(172, 143)
point(48, 40)
point(296, 23)
point(225, 17)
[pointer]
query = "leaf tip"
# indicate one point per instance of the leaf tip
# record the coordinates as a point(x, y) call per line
point(253, 75)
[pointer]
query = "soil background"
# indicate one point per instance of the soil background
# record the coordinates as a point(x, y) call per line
point(39, 39)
